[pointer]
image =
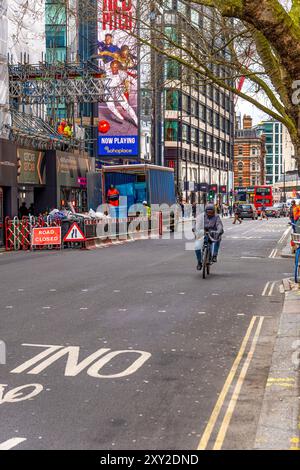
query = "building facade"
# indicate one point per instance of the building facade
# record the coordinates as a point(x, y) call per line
point(279, 150)
point(198, 116)
point(249, 156)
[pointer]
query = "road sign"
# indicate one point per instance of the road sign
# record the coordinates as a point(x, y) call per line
point(74, 234)
point(46, 236)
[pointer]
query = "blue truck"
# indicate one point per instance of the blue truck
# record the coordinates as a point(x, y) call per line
point(140, 182)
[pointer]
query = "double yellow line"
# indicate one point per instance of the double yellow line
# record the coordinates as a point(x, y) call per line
point(229, 381)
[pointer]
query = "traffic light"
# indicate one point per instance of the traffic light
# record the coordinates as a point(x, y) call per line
point(213, 189)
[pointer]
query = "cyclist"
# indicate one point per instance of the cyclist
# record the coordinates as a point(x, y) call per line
point(212, 223)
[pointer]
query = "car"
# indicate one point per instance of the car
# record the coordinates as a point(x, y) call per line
point(273, 212)
point(282, 207)
point(248, 211)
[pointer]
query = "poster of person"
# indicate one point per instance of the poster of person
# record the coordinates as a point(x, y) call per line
point(117, 53)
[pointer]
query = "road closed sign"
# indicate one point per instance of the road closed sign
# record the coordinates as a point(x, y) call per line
point(46, 236)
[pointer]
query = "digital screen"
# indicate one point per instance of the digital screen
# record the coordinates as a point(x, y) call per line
point(263, 191)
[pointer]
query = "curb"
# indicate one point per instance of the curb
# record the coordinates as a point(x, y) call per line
point(279, 422)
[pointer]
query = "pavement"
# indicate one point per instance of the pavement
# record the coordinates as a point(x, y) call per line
point(128, 347)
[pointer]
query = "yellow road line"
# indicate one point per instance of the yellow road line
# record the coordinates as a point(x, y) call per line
point(217, 409)
point(227, 418)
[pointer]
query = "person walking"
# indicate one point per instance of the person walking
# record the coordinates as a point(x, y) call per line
point(230, 210)
point(263, 213)
point(237, 214)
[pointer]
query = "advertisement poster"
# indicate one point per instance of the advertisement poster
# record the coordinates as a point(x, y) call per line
point(118, 58)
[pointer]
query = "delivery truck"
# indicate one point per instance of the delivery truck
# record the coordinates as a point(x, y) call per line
point(138, 183)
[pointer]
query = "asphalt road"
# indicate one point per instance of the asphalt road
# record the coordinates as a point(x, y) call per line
point(150, 346)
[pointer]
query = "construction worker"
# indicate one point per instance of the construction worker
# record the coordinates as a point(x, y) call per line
point(113, 196)
point(296, 212)
point(148, 208)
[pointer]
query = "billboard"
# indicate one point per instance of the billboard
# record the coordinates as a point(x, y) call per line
point(118, 60)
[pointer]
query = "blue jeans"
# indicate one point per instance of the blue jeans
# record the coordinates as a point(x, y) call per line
point(215, 246)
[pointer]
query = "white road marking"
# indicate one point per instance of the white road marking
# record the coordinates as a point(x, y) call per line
point(161, 311)
point(46, 308)
point(116, 291)
point(9, 306)
point(20, 290)
point(84, 290)
point(12, 443)
point(272, 288)
point(83, 308)
point(265, 289)
point(285, 235)
point(122, 309)
point(52, 290)
point(149, 292)
point(271, 255)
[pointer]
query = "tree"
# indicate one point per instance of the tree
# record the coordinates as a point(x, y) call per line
point(257, 39)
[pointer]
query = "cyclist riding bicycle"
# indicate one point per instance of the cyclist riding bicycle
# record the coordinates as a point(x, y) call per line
point(212, 224)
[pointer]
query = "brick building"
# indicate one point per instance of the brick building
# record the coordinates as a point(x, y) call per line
point(249, 156)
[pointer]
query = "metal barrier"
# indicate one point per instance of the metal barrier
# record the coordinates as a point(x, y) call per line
point(99, 232)
point(18, 232)
point(96, 232)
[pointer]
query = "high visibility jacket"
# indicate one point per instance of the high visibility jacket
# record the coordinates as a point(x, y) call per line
point(113, 197)
point(148, 212)
point(296, 213)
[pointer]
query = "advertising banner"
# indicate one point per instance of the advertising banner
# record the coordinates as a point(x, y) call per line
point(118, 60)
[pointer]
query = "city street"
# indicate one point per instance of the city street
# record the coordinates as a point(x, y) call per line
point(150, 347)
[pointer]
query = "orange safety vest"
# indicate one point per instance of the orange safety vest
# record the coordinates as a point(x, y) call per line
point(296, 213)
point(113, 197)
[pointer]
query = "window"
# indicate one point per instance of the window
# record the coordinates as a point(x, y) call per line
point(172, 100)
point(194, 135)
point(185, 133)
point(186, 104)
point(240, 166)
point(194, 108)
point(195, 17)
point(172, 70)
point(202, 112)
point(240, 151)
point(171, 130)
point(254, 150)
point(253, 167)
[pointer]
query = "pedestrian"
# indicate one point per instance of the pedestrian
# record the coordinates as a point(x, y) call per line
point(291, 214)
point(263, 213)
point(194, 210)
point(237, 214)
point(23, 211)
point(31, 209)
point(230, 211)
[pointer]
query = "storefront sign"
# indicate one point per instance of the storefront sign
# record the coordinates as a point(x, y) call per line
point(46, 236)
point(31, 166)
point(72, 169)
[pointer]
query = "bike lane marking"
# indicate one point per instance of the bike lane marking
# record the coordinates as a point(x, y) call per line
point(7, 445)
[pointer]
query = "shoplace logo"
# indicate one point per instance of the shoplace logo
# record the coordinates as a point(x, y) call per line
point(296, 93)
point(2, 352)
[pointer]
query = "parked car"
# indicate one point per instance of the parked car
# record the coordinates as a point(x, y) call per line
point(273, 212)
point(283, 208)
point(248, 211)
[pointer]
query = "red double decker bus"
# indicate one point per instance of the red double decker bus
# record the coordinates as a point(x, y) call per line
point(263, 195)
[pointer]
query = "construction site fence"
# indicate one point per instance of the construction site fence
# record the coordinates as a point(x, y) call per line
point(18, 232)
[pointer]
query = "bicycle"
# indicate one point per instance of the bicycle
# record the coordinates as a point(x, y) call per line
point(207, 252)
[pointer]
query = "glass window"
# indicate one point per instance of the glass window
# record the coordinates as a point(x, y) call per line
point(171, 130)
point(194, 135)
point(240, 150)
point(172, 100)
point(185, 133)
point(195, 17)
point(172, 70)
point(202, 112)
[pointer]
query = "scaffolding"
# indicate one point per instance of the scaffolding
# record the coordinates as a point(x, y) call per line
point(52, 84)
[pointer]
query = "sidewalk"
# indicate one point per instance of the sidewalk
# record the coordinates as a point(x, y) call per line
point(279, 423)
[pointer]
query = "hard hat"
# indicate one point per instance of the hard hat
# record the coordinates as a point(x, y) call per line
point(144, 202)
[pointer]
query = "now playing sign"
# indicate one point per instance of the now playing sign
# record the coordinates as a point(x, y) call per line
point(74, 234)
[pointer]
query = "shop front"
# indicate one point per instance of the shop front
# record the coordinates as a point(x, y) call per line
point(8, 183)
point(72, 172)
point(31, 181)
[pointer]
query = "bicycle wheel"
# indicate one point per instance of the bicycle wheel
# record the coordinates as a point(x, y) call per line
point(297, 266)
point(205, 258)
